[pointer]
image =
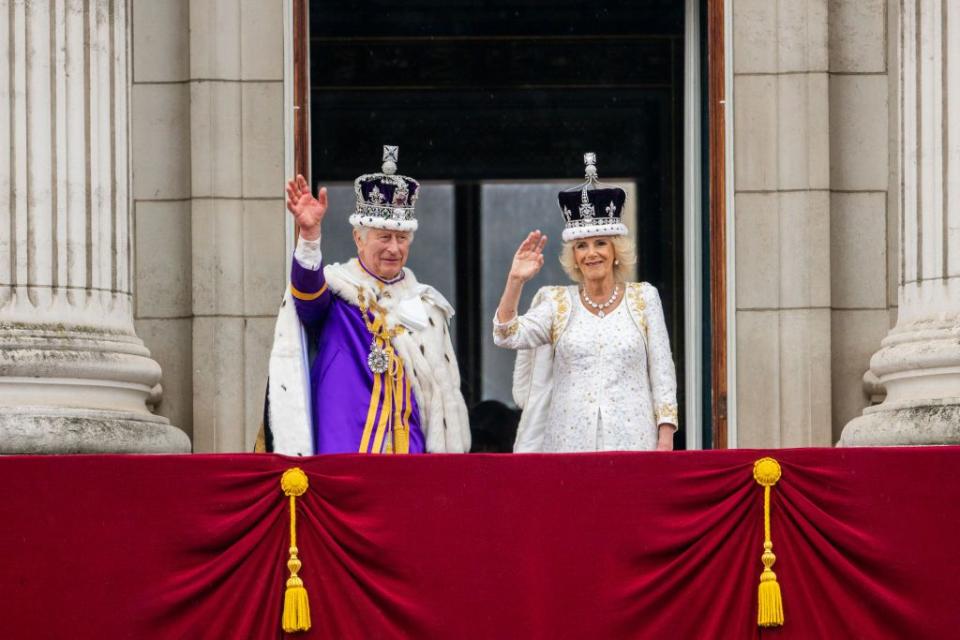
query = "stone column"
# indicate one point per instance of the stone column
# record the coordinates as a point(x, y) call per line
point(74, 377)
point(919, 361)
point(239, 268)
point(781, 104)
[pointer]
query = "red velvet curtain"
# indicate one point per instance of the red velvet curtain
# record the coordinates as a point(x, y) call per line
point(620, 545)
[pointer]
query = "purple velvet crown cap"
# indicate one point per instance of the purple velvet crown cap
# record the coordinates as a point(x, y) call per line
point(386, 200)
point(592, 210)
point(606, 203)
point(399, 190)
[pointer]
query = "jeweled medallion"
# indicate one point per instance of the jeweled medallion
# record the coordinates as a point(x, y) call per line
point(379, 359)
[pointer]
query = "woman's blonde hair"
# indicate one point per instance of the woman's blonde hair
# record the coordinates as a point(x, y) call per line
point(624, 251)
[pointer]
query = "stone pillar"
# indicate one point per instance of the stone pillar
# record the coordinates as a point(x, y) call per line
point(239, 268)
point(919, 361)
point(74, 377)
point(781, 104)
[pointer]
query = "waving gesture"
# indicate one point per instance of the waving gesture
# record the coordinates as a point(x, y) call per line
point(527, 262)
point(528, 259)
point(307, 210)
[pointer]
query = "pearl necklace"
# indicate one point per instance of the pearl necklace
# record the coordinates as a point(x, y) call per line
point(602, 305)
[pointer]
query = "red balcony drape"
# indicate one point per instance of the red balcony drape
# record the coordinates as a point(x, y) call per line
point(619, 545)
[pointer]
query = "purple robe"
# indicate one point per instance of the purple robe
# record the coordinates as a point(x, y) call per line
point(340, 379)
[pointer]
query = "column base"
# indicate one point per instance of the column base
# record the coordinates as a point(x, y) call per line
point(915, 423)
point(52, 430)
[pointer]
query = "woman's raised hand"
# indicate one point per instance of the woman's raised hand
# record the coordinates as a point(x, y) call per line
point(307, 210)
point(529, 257)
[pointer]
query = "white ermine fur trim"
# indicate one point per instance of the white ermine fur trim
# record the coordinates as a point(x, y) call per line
point(376, 222)
point(575, 233)
point(289, 391)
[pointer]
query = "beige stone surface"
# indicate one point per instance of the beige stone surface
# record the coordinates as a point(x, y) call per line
point(893, 142)
point(758, 379)
point(215, 37)
point(776, 36)
point(781, 132)
point(219, 390)
point(858, 132)
point(783, 378)
point(218, 257)
point(858, 223)
point(855, 336)
point(802, 35)
point(804, 249)
point(934, 422)
point(216, 139)
point(893, 246)
point(858, 36)
point(805, 408)
point(160, 128)
point(803, 131)
point(261, 46)
point(755, 145)
point(162, 253)
point(160, 40)
point(758, 256)
point(258, 338)
point(262, 139)
point(264, 261)
point(171, 344)
point(755, 36)
point(783, 249)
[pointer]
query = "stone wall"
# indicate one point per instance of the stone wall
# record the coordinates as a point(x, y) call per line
point(863, 226)
point(783, 210)
point(813, 236)
point(207, 129)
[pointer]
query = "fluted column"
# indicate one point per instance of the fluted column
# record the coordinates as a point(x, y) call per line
point(74, 377)
point(919, 361)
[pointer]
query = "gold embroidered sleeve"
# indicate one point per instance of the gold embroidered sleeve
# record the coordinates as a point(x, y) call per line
point(505, 330)
point(528, 331)
point(562, 313)
point(639, 307)
point(667, 413)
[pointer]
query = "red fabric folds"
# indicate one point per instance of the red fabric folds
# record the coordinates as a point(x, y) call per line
point(620, 545)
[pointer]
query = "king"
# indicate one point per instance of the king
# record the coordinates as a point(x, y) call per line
point(362, 360)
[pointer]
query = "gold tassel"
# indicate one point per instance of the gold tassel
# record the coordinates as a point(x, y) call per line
point(296, 604)
point(766, 471)
point(401, 434)
point(401, 438)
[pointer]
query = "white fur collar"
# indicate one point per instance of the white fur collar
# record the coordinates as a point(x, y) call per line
point(406, 301)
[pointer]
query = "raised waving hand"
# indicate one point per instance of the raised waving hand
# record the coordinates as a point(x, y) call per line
point(528, 260)
point(307, 210)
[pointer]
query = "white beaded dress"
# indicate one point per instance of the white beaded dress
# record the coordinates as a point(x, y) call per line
point(611, 379)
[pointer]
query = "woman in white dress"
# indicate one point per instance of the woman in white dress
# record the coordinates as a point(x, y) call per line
point(595, 372)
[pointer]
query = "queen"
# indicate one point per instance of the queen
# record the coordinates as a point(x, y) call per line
point(594, 371)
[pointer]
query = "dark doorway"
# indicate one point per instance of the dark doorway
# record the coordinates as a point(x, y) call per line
point(496, 102)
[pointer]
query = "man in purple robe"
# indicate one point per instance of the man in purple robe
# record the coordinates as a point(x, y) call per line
point(383, 377)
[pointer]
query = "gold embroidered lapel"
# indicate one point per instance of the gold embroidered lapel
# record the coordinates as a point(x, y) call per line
point(637, 306)
point(561, 300)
